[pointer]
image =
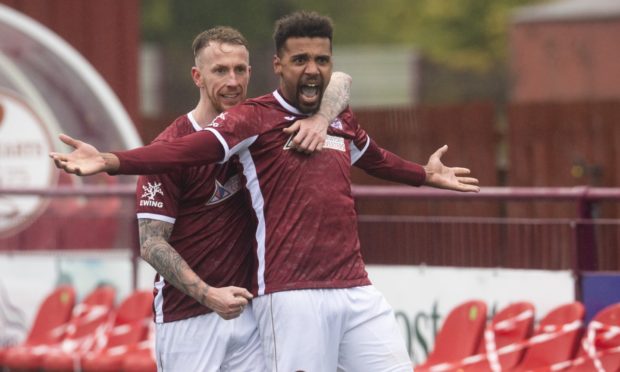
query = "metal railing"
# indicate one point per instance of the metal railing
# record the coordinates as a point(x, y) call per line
point(580, 243)
point(581, 234)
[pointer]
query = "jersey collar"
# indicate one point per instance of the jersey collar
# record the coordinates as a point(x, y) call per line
point(190, 116)
point(287, 106)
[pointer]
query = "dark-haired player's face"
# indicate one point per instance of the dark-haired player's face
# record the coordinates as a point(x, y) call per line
point(222, 71)
point(305, 67)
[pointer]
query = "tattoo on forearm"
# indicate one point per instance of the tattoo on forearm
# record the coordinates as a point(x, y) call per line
point(336, 96)
point(156, 250)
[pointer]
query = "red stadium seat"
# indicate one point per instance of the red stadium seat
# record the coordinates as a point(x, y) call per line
point(459, 336)
point(53, 313)
point(138, 357)
point(131, 326)
point(608, 360)
point(141, 360)
point(600, 345)
point(555, 339)
point(77, 335)
point(507, 331)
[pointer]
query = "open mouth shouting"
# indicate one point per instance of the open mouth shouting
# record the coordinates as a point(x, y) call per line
point(310, 95)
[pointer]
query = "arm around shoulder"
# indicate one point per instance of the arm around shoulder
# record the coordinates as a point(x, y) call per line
point(311, 132)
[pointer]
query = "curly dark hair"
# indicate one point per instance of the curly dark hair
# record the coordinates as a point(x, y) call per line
point(301, 24)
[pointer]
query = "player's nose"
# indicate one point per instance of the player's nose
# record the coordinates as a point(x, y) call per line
point(232, 79)
point(311, 68)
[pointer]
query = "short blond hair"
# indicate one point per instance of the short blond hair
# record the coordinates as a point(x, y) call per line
point(219, 34)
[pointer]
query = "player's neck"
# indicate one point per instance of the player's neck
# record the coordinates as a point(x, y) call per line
point(204, 114)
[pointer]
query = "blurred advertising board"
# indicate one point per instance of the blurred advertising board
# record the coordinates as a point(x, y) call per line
point(423, 296)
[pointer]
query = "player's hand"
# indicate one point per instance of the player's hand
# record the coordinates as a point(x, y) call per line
point(83, 161)
point(310, 133)
point(227, 302)
point(450, 178)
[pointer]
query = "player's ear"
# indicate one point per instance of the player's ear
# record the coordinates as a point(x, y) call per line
point(277, 64)
point(197, 76)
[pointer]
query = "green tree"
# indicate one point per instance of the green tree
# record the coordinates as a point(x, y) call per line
point(464, 42)
point(464, 34)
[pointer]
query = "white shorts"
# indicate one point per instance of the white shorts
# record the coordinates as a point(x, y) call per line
point(324, 330)
point(208, 343)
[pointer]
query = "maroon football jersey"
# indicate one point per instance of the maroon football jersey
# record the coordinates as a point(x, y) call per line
point(213, 225)
point(307, 226)
point(306, 233)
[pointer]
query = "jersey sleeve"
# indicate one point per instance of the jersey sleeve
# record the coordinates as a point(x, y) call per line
point(380, 163)
point(236, 129)
point(198, 148)
point(157, 197)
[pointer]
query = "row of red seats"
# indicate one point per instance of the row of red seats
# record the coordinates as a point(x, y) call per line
point(94, 335)
point(511, 342)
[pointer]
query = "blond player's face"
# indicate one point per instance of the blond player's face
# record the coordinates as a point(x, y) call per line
point(305, 67)
point(222, 71)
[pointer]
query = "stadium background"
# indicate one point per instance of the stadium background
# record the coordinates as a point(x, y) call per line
point(527, 97)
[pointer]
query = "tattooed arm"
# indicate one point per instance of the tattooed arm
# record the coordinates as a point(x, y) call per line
point(336, 96)
point(227, 302)
point(312, 131)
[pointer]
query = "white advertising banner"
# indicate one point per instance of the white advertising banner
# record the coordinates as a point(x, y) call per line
point(423, 296)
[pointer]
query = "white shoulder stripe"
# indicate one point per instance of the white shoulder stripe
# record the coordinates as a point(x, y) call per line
point(192, 120)
point(219, 137)
point(243, 145)
point(356, 153)
point(286, 105)
point(158, 217)
point(228, 152)
point(258, 204)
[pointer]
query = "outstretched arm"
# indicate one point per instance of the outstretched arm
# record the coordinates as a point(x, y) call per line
point(451, 178)
point(311, 132)
point(381, 163)
point(160, 157)
point(227, 302)
point(85, 160)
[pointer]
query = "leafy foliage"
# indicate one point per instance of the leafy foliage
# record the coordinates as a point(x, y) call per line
point(463, 43)
point(468, 34)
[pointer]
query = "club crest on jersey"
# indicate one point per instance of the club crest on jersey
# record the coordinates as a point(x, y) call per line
point(336, 124)
point(215, 122)
point(225, 191)
point(151, 190)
